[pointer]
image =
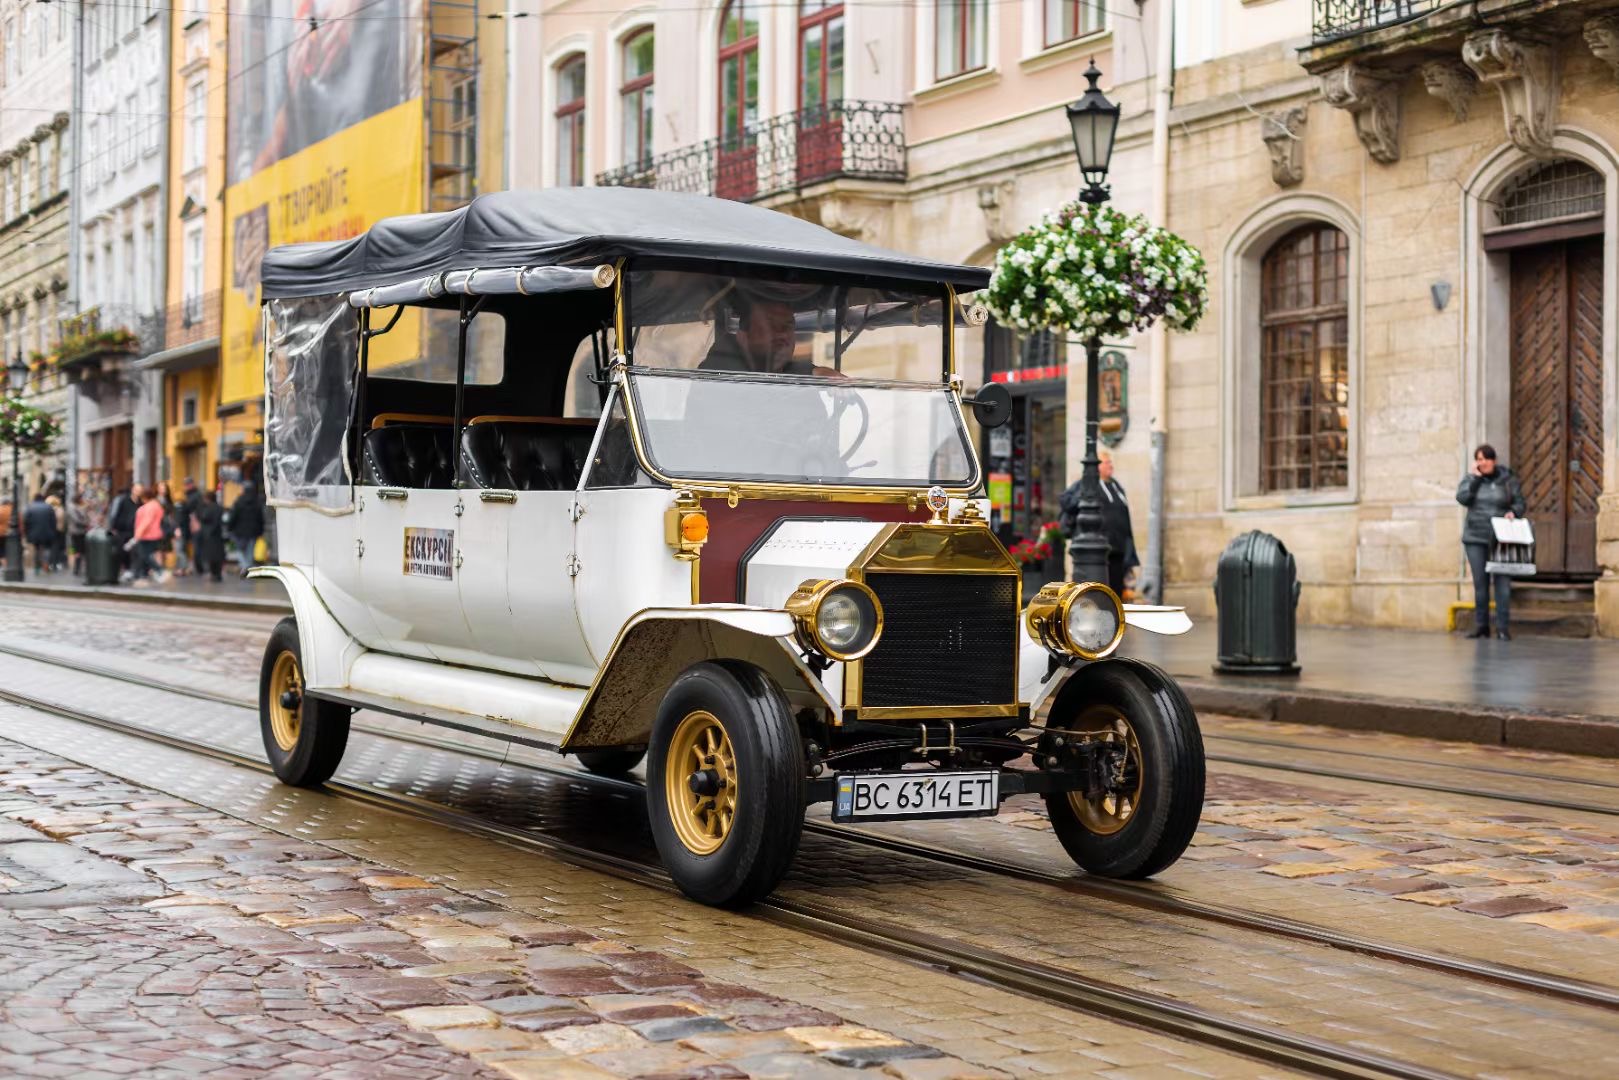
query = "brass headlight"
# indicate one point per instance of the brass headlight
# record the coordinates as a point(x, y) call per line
point(839, 619)
point(1084, 619)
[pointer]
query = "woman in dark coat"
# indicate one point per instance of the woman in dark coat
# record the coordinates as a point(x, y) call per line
point(1489, 490)
point(208, 537)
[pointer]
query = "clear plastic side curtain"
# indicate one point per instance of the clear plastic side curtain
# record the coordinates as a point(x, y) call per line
point(309, 371)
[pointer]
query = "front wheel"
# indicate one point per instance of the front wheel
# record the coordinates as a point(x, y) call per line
point(1146, 818)
point(725, 783)
point(304, 737)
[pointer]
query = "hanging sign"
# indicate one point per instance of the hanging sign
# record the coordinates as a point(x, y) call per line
point(1113, 405)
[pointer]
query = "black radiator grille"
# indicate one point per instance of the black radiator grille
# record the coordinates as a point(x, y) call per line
point(948, 639)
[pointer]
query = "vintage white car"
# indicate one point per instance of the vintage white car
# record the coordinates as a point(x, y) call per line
point(624, 473)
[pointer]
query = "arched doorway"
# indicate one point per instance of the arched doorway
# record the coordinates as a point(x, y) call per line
point(1547, 222)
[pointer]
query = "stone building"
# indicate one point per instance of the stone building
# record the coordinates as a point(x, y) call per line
point(35, 173)
point(1409, 212)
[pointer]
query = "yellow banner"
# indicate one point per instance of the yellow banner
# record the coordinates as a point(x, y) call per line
point(331, 190)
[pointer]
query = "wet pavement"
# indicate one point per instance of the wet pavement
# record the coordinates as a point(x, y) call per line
point(1569, 676)
point(1478, 870)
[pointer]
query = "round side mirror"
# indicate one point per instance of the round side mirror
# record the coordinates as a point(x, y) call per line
point(993, 405)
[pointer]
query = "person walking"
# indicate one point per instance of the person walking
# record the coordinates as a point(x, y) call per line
point(121, 524)
point(148, 541)
point(190, 497)
point(208, 537)
point(247, 524)
point(39, 529)
point(165, 552)
point(1489, 490)
point(58, 558)
point(78, 532)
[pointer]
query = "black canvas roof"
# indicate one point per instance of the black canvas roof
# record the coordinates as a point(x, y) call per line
point(580, 227)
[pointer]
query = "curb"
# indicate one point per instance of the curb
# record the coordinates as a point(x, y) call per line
point(148, 596)
point(1597, 736)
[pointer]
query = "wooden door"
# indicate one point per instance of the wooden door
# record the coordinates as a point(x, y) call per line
point(1557, 398)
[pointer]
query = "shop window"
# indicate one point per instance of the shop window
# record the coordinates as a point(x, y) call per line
point(635, 98)
point(960, 36)
point(570, 121)
point(1304, 361)
point(1069, 19)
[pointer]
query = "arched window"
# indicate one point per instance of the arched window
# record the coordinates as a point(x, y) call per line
point(1069, 19)
point(1304, 361)
point(570, 121)
point(635, 98)
point(739, 74)
point(960, 36)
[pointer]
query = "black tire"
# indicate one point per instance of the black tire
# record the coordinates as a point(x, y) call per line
point(1171, 797)
point(610, 762)
point(322, 726)
point(768, 753)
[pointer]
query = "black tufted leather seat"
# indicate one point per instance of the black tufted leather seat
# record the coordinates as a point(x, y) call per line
point(523, 455)
point(407, 456)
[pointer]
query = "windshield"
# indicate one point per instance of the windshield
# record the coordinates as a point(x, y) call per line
point(733, 426)
point(718, 322)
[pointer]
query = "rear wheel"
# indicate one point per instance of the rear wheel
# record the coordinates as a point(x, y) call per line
point(725, 783)
point(304, 737)
point(1144, 820)
point(610, 762)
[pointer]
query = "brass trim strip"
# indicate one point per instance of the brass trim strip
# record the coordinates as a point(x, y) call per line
point(937, 712)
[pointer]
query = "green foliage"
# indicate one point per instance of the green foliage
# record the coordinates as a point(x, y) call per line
point(26, 427)
point(1095, 271)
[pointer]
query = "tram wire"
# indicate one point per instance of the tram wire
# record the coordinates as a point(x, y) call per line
point(1145, 896)
point(1027, 978)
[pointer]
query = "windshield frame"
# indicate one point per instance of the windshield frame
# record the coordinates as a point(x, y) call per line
point(899, 491)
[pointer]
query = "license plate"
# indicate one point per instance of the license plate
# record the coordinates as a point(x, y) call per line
point(891, 796)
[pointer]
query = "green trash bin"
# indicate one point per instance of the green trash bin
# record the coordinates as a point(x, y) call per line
point(1256, 591)
point(100, 558)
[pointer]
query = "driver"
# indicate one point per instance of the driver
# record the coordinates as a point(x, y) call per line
point(763, 342)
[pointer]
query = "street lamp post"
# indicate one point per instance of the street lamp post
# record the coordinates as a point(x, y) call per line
point(1094, 120)
point(16, 378)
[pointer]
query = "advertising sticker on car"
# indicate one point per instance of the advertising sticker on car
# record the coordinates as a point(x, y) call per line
point(892, 796)
point(430, 553)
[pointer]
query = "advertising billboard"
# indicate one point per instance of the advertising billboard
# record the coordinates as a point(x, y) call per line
point(323, 138)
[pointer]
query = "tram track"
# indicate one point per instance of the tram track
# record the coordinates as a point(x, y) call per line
point(1142, 896)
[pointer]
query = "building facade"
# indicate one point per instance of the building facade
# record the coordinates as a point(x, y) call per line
point(36, 172)
point(1409, 215)
point(118, 195)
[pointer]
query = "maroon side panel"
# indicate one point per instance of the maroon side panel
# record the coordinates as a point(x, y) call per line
point(733, 530)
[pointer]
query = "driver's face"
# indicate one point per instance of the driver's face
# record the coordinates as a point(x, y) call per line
point(767, 337)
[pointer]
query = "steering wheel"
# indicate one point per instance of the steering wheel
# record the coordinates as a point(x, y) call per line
point(842, 398)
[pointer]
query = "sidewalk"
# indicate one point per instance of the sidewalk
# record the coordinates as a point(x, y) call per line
point(233, 593)
point(1536, 693)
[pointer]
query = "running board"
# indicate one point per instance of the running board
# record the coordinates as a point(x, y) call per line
point(490, 726)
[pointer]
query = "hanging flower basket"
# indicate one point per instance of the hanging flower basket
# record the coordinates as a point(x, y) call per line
point(1094, 271)
point(26, 427)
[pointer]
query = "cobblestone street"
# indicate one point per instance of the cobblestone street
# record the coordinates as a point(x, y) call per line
point(165, 913)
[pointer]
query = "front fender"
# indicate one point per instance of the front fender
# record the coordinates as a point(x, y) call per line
point(657, 644)
point(1066, 690)
point(328, 650)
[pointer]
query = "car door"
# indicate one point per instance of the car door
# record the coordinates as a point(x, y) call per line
point(408, 570)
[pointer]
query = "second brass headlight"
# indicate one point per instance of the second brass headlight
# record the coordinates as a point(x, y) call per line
point(1084, 619)
point(840, 619)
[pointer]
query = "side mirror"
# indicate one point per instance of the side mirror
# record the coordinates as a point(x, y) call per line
point(993, 405)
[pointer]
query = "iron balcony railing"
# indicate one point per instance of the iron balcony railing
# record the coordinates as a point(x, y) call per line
point(849, 139)
point(1341, 18)
point(195, 318)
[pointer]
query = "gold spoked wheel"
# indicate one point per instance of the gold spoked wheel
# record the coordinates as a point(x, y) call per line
point(1107, 814)
point(699, 782)
point(286, 701)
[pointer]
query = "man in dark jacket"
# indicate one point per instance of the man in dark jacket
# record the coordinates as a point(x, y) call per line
point(121, 521)
point(190, 499)
point(39, 529)
point(247, 523)
point(1121, 541)
point(209, 540)
point(1489, 490)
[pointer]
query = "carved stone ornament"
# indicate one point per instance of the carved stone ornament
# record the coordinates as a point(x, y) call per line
point(1452, 82)
point(58, 284)
point(6, 158)
point(995, 201)
point(43, 132)
point(1525, 73)
point(858, 220)
point(40, 292)
point(1284, 138)
point(1602, 36)
point(1374, 101)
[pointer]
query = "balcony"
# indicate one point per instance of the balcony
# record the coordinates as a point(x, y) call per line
point(859, 140)
point(193, 319)
point(95, 342)
point(1364, 50)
